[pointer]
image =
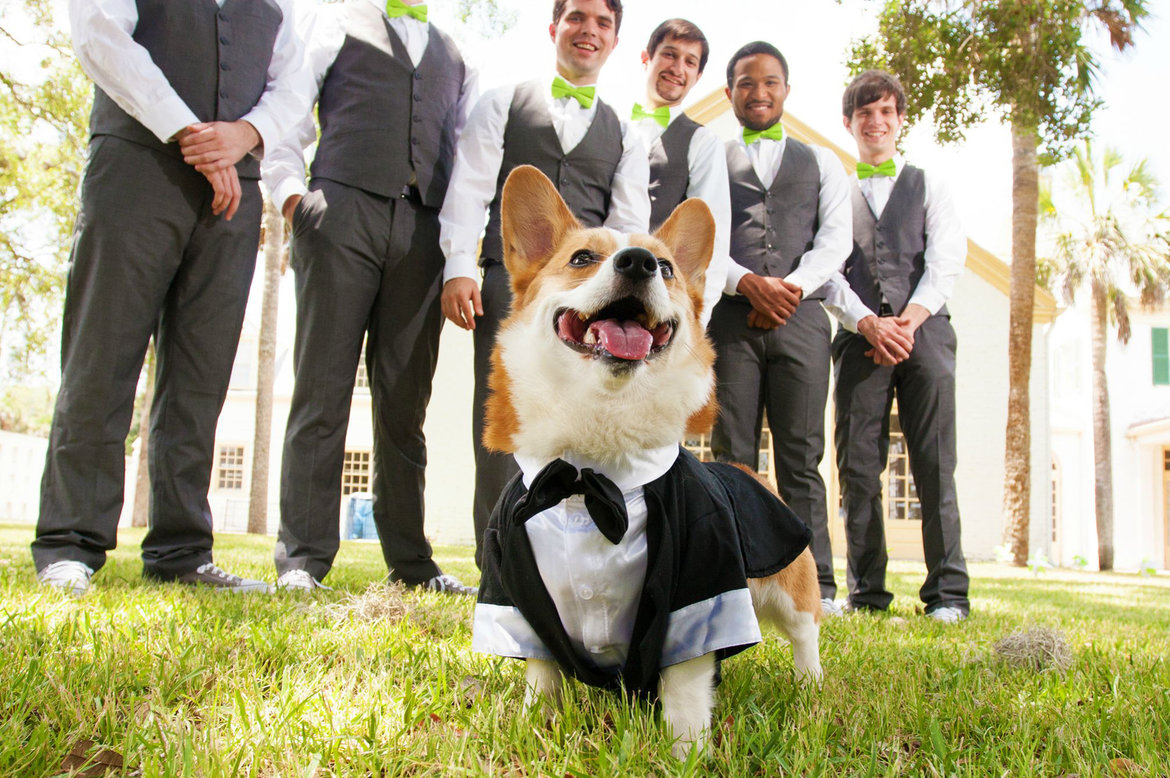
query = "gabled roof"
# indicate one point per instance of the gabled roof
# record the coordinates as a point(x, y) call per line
point(982, 262)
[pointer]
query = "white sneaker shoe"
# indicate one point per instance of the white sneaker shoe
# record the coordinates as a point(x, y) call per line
point(299, 581)
point(831, 607)
point(947, 615)
point(67, 576)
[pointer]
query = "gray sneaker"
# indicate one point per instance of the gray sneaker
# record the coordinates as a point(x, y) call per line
point(67, 576)
point(947, 615)
point(831, 607)
point(208, 574)
point(298, 581)
point(449, 584)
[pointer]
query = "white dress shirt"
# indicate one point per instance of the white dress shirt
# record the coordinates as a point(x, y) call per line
point(945, 256)
point(834, 237)
point(477, 166)
point(596, 585)
point(102, 38)
point(322, 27)
point(707, 168)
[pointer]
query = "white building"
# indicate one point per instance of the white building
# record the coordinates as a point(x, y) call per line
point(1138, 376)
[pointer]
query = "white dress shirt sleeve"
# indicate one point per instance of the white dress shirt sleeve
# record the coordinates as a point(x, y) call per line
point(946, 248)
point(323, 31)
point(707, 163)
point(102, 39)
point(629, 202)
point(288, 95)
point(834, 237)
point(478, 156)
point(841, 301)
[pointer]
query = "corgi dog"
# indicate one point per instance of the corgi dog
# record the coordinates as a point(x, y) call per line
point(603, 364)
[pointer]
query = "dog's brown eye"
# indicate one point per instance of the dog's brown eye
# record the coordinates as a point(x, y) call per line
point(666, 268)
point(582, 258)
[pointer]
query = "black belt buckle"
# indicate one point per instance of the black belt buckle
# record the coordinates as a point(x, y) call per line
point(885, 311)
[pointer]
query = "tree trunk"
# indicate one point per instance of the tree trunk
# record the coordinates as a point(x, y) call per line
point(140, 516)
point(265, 370)
point(1102, 435)
point(1018, 449)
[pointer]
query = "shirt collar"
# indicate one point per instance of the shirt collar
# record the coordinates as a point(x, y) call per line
point(637, 470)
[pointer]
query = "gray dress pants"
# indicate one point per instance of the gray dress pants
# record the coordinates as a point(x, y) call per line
point(366, 267)
point(784, 371)
point(924, 386)
point(148, 257)
point(493, 469)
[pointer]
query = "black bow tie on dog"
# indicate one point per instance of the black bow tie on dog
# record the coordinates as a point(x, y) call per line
point(559, 480)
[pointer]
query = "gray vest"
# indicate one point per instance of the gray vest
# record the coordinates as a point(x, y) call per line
point(584, 176)
point(216, 59)
point(888, 257)
point(670, 170)
point(384, 122)
point(772, 228)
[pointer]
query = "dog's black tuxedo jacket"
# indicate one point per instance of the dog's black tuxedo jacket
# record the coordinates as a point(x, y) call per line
point(709, 526)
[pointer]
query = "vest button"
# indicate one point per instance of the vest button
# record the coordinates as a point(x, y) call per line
point(223, 17)
point(224, 66)
point(224, 40)
point(223, 93)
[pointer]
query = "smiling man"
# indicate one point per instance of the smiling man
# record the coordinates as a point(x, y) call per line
point(896, 339)
point(791, 230)
point(686, 159)
point(599, 166)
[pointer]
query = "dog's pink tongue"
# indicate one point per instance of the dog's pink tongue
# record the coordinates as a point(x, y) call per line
point(623, 339)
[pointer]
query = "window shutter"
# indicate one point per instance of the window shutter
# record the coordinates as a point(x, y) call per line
point(1161, 343)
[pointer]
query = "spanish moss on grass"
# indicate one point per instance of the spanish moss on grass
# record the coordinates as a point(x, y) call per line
point(369, 679)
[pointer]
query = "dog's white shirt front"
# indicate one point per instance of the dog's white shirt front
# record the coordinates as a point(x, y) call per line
point(596, 585)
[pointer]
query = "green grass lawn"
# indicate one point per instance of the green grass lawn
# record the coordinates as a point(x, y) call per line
point(372, 680)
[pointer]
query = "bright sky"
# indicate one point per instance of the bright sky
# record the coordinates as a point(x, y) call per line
point(814, 36)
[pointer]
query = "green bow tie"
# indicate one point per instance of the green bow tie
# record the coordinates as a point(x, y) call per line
point(396, 8)
point(775, 132)
point(865, 170)
point(660, 114)
point(582, 94)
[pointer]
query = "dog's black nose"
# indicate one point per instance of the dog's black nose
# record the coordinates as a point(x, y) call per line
point(635, 263)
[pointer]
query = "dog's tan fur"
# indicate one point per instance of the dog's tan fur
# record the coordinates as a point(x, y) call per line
point(547, 399)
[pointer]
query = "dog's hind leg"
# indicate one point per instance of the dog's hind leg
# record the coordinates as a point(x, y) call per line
point(543, 683)
point(687, 692)
point(790, 601)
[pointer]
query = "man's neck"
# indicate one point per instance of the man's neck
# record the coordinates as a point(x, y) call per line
point(577, 79)
point(874, 159)
point(653, 101)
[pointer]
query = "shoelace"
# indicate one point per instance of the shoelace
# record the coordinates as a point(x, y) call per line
point(210, 568)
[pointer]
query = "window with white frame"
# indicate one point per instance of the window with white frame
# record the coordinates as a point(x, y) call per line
point(230, 467)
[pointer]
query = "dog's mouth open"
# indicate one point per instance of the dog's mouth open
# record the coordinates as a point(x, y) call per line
point(621, 331)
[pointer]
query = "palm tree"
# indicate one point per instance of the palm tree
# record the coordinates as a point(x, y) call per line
point(1109, 234)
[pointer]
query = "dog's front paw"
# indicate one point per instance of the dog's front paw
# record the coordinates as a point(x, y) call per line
point(543, 684)
point(687, 691)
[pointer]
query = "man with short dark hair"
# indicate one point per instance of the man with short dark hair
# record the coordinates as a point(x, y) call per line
point(790, 231)
point(596, 163)
point(686, 159)
point(188, 97)
point(392, 94)
point(896, 339)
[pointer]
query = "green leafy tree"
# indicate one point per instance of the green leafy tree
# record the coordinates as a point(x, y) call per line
point(44, 110)
point(1028, 63)
point(1109, 234)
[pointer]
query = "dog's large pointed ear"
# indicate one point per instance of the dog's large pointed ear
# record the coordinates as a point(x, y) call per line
point(689, 233)
point(534, 219)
